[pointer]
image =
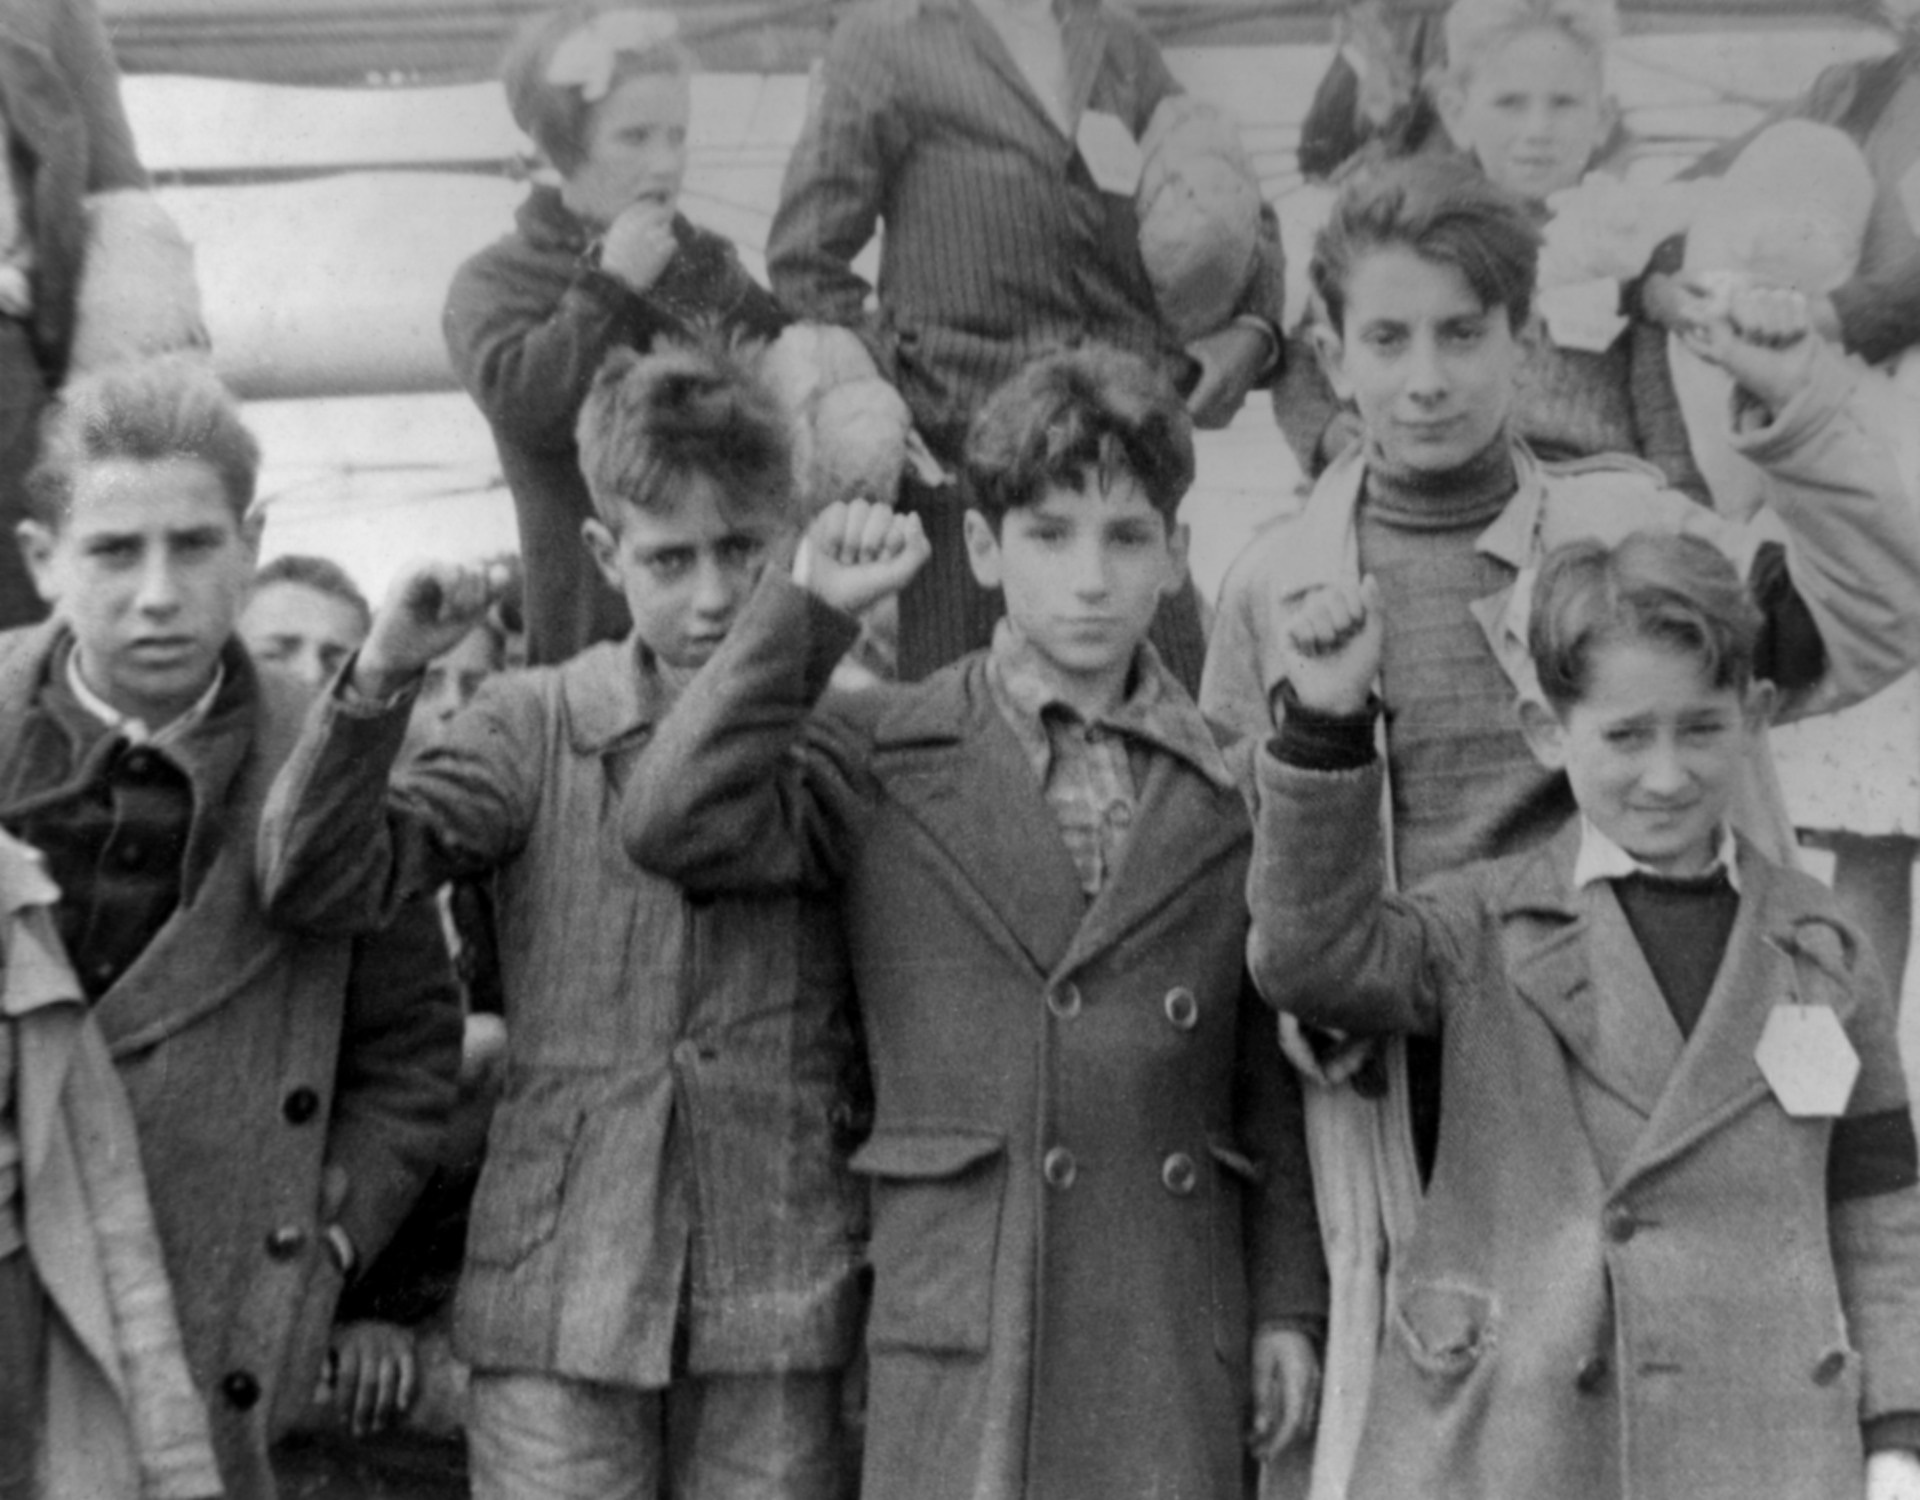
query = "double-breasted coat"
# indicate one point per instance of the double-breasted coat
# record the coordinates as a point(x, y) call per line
point(1087, 1172)
point(1627, 1279)
point(256, 1058)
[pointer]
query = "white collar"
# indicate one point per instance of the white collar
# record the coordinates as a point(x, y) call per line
point(138, 731)
point(1600, 858)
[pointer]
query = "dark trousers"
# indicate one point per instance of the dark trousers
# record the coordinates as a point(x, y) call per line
point(944, 614)
point(23, 1376)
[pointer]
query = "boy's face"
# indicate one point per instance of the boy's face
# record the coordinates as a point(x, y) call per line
point(1654, 752)
point(685, 572)
point(636, 148)
point(1533, 113)
point(1083, 571)
point(450, 682)
point(1429, 365)
point(150, 571)
point(301, 630)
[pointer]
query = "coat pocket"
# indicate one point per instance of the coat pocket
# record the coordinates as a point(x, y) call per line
point(936, 1233)
point(1446, 1328)
point(516, 1205)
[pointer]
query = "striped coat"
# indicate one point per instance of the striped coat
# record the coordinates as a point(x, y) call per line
point(998, 242)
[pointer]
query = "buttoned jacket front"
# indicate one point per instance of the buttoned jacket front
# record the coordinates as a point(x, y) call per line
point(676, 1066)
point(1086, 1171)
point(1626, 1282)
point(255, 1058)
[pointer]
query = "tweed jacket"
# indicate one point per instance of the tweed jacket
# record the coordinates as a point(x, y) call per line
point(1854, 557)
point(1086, 1163)
point(256, 1060)
point(677, 1067)
point(1631, 1278)
point(998, 243)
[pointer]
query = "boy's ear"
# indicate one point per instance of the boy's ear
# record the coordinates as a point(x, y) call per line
point(605, 547)
point(1331, 350)
point(1450, 100)
point(1179, 549)
point(1762, 699)
point(983, 550)
point(37, 543)
point(1546, 735)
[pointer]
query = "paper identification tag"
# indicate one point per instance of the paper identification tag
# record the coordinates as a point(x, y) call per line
point(1807, 1061)
point(1112, 155)
point(1585, 315)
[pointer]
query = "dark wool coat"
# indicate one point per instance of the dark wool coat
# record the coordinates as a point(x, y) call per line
point(255, 1059)
point(528, 321)
point(1635, 1276)
point(1087, 1169)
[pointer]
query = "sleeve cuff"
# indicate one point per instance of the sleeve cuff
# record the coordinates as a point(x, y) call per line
point(1893, 1430)
point(1313, 741)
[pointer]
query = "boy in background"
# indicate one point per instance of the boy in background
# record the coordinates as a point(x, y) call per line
point(1094, 1256)
point(1427, 272)
point(1671, 1244)
point(659, 1291)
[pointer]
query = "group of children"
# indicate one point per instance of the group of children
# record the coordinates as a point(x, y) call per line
point(906, 1060)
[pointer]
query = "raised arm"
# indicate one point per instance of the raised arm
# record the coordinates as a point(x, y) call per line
point(342, 849)
point(747, 788)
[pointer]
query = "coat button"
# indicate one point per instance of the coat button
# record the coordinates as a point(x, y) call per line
point(300, 1105)
point(1181, 1008)
point(1829, 1368)
point(1120, 814)
point(131, 856)
point(240, 1390)
point(1064, 1000)
point(1059, 1167)
point(1179, 1175)
point(286, 1242)
point(1591, 1378)
point(1621, 1224)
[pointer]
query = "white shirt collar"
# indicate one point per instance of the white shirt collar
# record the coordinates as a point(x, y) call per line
point(138, 731)
point(1600, 858)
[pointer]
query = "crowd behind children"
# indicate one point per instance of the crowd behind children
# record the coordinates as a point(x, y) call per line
point(1380, 1045)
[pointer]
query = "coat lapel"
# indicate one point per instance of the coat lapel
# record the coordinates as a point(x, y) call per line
point(993, 52)
point(1183, 825)
point(953, 766)
point(1717, 1076)
point(1553, 958)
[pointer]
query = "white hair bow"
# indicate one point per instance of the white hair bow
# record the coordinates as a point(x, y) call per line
point(585, 59)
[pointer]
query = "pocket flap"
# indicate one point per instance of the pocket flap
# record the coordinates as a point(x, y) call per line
point(1237, 1162)
point(912, 1154)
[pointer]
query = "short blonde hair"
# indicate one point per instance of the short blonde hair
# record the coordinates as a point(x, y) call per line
point(1478, 29)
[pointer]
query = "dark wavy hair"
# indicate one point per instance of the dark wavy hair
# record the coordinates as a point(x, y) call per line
point(1076, 414)
point(651, 422)
point(1666, 589)
point(1442, 209)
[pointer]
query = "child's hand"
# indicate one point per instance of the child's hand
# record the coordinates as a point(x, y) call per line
point(857, 552)
point(1330, 647)
point(1893, 1475)
point(1286, 1391)
point(428, 610)
point(372, 1376)
point(639, 243)
point(1763, 336)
